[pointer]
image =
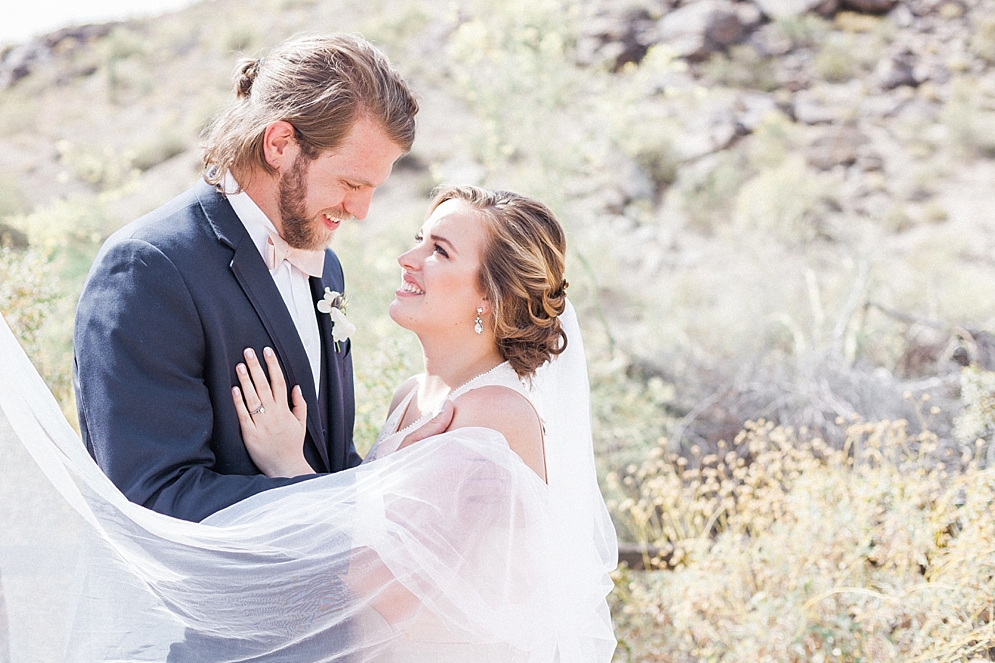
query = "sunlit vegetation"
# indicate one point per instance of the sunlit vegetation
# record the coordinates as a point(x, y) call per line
point(780, 251)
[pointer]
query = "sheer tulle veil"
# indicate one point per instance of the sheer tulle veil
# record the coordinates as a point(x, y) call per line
point(448, 550)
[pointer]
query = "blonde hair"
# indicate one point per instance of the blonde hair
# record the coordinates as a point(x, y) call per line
point(319, 84)
point(521, 273)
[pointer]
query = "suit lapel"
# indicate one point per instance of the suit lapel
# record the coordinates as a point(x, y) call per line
point(257, 283)
point(338, 420)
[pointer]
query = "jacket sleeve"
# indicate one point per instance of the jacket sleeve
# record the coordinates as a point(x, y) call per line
point(145, 412)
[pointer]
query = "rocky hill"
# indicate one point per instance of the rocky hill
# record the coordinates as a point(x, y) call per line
point(777, 208)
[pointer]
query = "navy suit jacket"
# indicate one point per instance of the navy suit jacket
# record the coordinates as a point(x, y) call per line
point(169, 305)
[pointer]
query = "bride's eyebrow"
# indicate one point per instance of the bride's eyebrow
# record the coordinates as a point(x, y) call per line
point(443, 240)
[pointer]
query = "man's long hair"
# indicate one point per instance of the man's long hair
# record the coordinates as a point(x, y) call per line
point(319, 84)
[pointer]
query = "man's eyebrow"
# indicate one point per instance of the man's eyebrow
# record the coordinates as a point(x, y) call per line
point(439, 238)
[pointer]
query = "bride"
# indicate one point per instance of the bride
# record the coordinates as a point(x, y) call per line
point(489, 542)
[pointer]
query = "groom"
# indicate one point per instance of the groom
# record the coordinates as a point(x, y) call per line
point(239, 261)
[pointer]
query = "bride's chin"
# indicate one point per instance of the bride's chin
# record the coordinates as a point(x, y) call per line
point(394, 311)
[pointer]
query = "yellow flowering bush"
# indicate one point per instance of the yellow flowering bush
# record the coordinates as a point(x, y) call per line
point(784, 549)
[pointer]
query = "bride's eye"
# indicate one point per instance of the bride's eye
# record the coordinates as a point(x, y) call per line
point(441, 251)
point(418, 238)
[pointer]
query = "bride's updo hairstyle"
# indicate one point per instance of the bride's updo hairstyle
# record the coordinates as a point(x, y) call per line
point(319, 84)
point(521, 273)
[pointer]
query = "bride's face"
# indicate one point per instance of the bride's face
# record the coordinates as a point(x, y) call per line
point(438, 292)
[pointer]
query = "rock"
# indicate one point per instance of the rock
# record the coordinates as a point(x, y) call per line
point(840, 146)
point(881, 106)
point(902, 16)
point(950, 11)
point(771, 40)
point(710, 128)
point(777, 9)
point(752, 108)
point(870, 161)
point(12, 238)
point(869, 6)
point(795, 71)
point(826, 104)
point(749, 15)
point(896, 71)
point(615, 38)
point(697, 30)
point(631, 182)
point(18, 61)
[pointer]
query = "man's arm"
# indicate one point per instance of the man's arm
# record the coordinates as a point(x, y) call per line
point(145, 409)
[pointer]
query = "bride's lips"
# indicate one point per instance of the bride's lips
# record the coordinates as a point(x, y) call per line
point(409, 287)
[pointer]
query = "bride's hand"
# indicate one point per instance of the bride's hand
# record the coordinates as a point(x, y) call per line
point(272, 432)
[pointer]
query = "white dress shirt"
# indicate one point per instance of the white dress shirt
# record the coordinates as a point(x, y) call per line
point(292, 283)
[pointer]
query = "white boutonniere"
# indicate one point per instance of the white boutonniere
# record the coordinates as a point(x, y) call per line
point(334, 303)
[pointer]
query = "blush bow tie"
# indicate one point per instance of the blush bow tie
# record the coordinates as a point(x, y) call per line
point(311, 263)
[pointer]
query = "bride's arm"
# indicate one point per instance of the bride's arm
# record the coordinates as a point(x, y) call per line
point(273, 433)
point(510, 414)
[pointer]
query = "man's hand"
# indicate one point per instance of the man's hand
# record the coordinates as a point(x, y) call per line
point(435, 426)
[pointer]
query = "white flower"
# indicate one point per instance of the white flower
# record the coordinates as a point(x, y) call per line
point(341, 327)
point(332, 300)
point(333, 303)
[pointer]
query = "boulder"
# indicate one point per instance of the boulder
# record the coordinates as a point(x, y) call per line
point(870, 6)
point(752, 108)
point(840, 146)
point(18, 61)
point(776, 9)
point(708, 127)
point(615, 38)
point(12, 238)
point(697, 30)
point(827, 104)
point(896, 71)
point(771, 40)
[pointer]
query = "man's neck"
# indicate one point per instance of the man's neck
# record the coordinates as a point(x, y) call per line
point(263, 188)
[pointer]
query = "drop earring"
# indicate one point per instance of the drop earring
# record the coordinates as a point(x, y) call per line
point(478, 324)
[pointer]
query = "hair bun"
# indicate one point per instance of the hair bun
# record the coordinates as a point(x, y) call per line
point(245, 76)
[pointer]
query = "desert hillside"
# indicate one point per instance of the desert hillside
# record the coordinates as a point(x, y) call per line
point(778, 210)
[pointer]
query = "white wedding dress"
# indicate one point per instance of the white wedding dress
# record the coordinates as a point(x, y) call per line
point(449, 550)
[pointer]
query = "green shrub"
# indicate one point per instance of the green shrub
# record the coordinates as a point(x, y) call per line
point(982, 42)
point(742, 67)
point(784, 202)
point(969, 121)
point(30, 297)
point(835, 61)
point(105, 168)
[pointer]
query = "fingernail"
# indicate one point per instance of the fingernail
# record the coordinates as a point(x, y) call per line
point(268, 352)
point(234, 391)
point(249, 354)
point(240, 368)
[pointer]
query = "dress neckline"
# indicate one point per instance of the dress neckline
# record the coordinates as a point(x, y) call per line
point(452, 395)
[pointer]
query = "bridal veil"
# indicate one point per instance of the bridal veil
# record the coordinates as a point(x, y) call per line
point(451, 549)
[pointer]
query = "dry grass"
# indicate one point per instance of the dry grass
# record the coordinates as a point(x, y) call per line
point(784, 549)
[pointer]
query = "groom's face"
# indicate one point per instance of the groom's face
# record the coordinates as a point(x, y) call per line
point(316, 195)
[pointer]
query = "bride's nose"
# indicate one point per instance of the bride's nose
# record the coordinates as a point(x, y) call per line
point(409, 259)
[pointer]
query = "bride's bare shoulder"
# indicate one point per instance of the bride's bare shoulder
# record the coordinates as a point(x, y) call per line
point(401, 392)
point(509, 413)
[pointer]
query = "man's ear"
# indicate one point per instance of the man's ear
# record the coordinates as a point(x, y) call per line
point(280, 145)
